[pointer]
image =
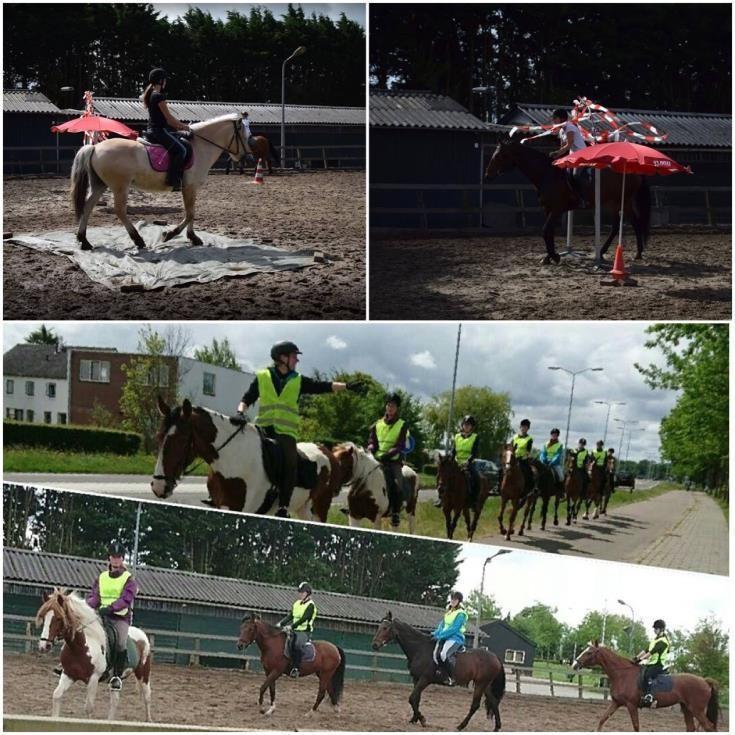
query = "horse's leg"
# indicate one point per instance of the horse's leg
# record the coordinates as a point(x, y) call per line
point(703, 720)
point(526, 512)
point(411, 523)
point(511, 521)
point(269, 682)
point(608, 714)
point(145, 693)
point(189, 196)
point(323, 681)
point(502, 513)
point(114, 702)
point(491, 706)
point(688, 718)
point(476, 700)
point(64, 683)
point(94, 680)
point(637, 228)
point(121, 210)
point(448, 522)
point(633, 712)
point(467, 522)
point(415, 699)
point(98, 187)
point(549, 226)
point(570, 509)
point(544, 511)
point(606, 244)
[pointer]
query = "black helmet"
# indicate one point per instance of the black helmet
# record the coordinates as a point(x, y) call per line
point(157, 76)
point(600, 443)
point(116, 549)
point(393, 398)
point(611, 451)
point(469, 419)
point(583, 441)
point(659, 623)
point(457, 595)
point(555, 431)
point(305, 587)
point(283, 348)
point(526, 422)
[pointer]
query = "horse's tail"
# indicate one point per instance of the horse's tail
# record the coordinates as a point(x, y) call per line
point(643, 206)
point(336, 686)
point(713, 706)
point(81, 171)
point(497, 686)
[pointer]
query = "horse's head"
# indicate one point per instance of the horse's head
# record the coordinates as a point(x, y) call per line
point(224, 131)
point(346, 457)
point(248, 630)
point(570, 461)
point(385, 633)
point(175, 447)
point(508, 458)
point(502, 160)
point(589, 657)
point(55, 617)
point(444, 466)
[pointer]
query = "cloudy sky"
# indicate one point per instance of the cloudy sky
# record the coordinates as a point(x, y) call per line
point(512, 357)
point(354, 11)
point(575, 586)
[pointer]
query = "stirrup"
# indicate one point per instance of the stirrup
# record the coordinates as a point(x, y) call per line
point(294, 673)
point(115, 683)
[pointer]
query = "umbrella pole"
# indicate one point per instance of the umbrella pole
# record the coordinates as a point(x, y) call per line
point(622, 207)
point(598, 218)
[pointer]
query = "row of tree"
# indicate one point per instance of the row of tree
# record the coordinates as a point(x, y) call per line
point(111, 47)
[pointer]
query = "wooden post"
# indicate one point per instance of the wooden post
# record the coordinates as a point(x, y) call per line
point(551, 683)
point(27, 646)
point(710, 218)
point(194, 657)
point(518, 681)
point(580, 687)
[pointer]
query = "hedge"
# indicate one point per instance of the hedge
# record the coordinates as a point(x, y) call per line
point(430, 469)
point(71, 438)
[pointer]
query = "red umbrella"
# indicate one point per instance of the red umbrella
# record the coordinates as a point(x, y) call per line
point(94, 123)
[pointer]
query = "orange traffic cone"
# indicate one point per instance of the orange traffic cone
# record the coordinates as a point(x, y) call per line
point(258, 173)
point(620, 276)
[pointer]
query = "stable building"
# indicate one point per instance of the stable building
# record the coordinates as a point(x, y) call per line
point(510, 645)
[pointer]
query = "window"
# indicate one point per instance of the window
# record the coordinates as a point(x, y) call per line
point(94, 371)
point(51, 390)
point(18, 414)
point(30, 388)
point(62, 418)
point(514, 657)
point(8, 413)
point(47, 417)
point(158, 376)
point(30, 415)
point(9, 386)
point(208, 387)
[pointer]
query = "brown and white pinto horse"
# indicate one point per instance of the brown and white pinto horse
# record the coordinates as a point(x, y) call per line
point(66, 616)
point(328, 663)
point(696, 696)
point(237, 476)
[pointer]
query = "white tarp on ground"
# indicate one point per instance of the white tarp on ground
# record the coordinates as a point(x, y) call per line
point(117, 263)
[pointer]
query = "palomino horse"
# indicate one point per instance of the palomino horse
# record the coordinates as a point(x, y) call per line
point(512, 488)
point(368, 494)
point(696, 696)
point(548, 487)
point(479, 666)
point(238, 479)
point(556, 196)
point(328, 662)
point(452, 482)
point(573, 486)
point(119, 163)
point(65, 616)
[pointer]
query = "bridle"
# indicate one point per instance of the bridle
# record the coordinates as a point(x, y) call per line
point(237, 137)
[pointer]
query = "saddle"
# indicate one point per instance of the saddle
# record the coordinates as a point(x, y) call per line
point(308, 651)
point(307, 473)
point(159, 158)
point(664, 682)
point(132, 651)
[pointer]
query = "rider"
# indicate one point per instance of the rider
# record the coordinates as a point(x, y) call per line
point(464, 453)
point(582, 458)
point(522, 444)
point(298, 625)
point(654, 658)
point(279, 388)
point(552, 454)
point(387, 441)
point(600, 458)
point(161, 123)
point(610, 466)
point(571, 141)
point(112, 595)
point(449, 636)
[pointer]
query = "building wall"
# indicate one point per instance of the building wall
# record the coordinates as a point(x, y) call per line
point(501, 639)
point(39, 403)
point(229, 385)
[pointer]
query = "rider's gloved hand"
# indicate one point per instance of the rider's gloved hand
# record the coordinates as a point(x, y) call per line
point(357, 386)
point(239, 419)
point(104, 611)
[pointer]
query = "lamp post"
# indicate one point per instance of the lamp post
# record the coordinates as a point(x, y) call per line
point(574, 374)
point(476, 642)
point(625, 423)
point(632, 624)
point(607, 418)
point(300, 50)
point(454, 386)
point(630, 434)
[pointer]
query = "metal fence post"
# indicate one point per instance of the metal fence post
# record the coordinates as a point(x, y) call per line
point(580, 687)
point(518, 681)
point(551, 683)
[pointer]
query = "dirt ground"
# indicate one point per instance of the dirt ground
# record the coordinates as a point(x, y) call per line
point(321, 210)
point(220, 698)
point(684, 275)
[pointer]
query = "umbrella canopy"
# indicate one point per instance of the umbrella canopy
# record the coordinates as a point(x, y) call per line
point(94, 123)
point(623, 157)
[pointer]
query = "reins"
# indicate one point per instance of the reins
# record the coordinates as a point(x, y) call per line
point(235, 136)
point(191, 469)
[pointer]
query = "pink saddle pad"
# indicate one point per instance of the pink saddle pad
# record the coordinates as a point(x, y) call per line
point(158, 157)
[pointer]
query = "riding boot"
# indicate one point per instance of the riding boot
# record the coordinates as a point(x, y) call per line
point(175, 174)
point(295, 662)
point(118, 668)
point(282, 512)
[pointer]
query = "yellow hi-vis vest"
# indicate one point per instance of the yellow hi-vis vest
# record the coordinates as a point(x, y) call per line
point(387, 435)
point(658, 658)
point(581, 458)
point(298, 610)
point(451, 614)
point(111, 588)
point(521, 445)
point(600, 456)
point(280, 412)
point(463, 446)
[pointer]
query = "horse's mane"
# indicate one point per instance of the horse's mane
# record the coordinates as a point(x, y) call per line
point(230, 116)
point(74, 612)
point(408, 631)
point(532, 152)
point(617, 657)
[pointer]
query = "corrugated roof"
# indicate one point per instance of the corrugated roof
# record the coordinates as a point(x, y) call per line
point(21, 565)
point(684, 128)
point(412, 109)
point(132, 110)
point(21, 100)
point(35, 361)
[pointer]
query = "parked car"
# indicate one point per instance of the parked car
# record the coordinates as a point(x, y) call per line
point(489, 469)
point(625, 479)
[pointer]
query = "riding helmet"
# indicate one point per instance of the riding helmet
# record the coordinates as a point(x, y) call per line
point(600, 443)
point(469, 419)
point(659, 624)
point(157, 76)
point(555, 431)
point(526, 422)
point(611, 451)
point(305, 587)
point(583, 441)
point(116, 549)
point(393, 398)
point(457, 595)
point(284, 348)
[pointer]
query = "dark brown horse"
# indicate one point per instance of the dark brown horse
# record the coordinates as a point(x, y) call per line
point(573, 486)
point(480, 666)
point(548, 487)
point(696, 696)
point(452, 483)
point(608, 486)
point(595, 490)
point(328, 663)
point(512, 487)
point(557, 197)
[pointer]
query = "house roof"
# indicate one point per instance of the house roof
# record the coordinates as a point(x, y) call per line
point(23, 100)
point(35, 361)
point(172, 585)
point(423, 110)
point(487, 628)
point(684, 128)
point(130, 109)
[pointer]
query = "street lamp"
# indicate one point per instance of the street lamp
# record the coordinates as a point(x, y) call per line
point(625, 423)
point(632, 625)
point(630, 434)
point(300, 50)
point(574, 374)
point(482, 592)
point(607, 418)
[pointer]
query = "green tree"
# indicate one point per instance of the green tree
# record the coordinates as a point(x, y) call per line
point(705, 651)
point(43, 336)
point(620, 632)
point(486, 604)
point(218, 353)
point(538, 622)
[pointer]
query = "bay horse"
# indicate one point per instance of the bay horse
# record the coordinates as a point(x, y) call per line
point(367, 497)
point(595, 489)
point(261, 148)
point(512, 489)
point(557, 197)
point(119, 163)
point(328, 663)
point(573, 486)
point(66, 616)
point(238, 478)
point(456, 498)
point(478, 665)
point(696, 695)
point(548, 487)
point(608, 486)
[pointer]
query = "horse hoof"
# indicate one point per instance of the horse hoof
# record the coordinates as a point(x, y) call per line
point(84, 245)
point(556, 523)
point(168, 235)
point(520, 533)
point(196, 240)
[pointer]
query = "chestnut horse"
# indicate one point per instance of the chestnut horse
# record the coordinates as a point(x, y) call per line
point(119, 163)
point(452, 483)
point(557, 197)
point(328, 663)
point(696, 696)
point(512, 487)
point(478, 665)
point(66, 616)
point(596, 488)
point(573, 486)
